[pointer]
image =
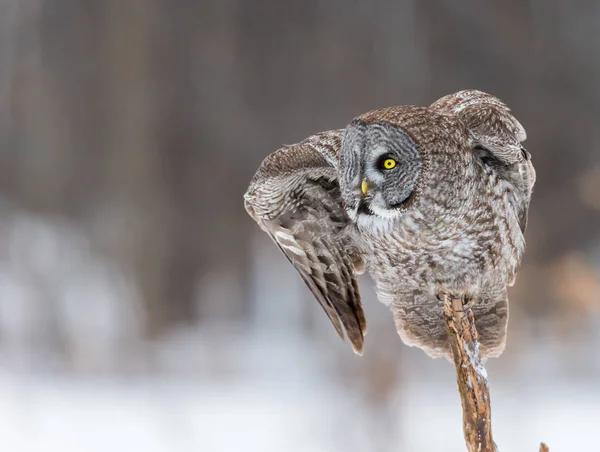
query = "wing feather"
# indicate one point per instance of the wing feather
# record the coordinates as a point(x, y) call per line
point(295, 198)
point(496, 137)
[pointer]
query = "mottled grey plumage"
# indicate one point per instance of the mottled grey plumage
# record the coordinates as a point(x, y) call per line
point(449, 214)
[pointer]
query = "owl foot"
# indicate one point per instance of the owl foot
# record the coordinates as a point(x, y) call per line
point(467, 301)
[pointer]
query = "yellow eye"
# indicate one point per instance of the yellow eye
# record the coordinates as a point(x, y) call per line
point(389, 163)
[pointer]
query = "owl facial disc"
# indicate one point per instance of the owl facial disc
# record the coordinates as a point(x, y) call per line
point(380, 169)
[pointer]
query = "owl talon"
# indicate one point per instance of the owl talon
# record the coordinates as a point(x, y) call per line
point(468, 303)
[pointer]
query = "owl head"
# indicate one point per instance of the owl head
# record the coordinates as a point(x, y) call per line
point(380, 169)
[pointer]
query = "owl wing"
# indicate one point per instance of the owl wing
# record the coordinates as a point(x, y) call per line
point(295, 198)
point(496, 137)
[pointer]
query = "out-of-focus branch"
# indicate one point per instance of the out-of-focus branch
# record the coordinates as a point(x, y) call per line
point(471, 375)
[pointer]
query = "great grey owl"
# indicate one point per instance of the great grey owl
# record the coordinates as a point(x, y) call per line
point(425, 199)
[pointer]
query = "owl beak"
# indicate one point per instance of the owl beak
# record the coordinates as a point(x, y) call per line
point(364, 187)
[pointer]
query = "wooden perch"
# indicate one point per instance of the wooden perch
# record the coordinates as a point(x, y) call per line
point(471, 375)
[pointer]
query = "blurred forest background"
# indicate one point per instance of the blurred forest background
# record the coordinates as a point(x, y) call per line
point(142, 309)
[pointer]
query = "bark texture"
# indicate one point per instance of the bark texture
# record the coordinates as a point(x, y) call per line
point(471, 374)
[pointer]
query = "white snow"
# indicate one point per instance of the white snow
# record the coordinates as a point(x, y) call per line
point(475, 359)
point(157, 414)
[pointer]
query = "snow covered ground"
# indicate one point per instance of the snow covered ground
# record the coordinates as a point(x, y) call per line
point(278, 393)
point(66, 414)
